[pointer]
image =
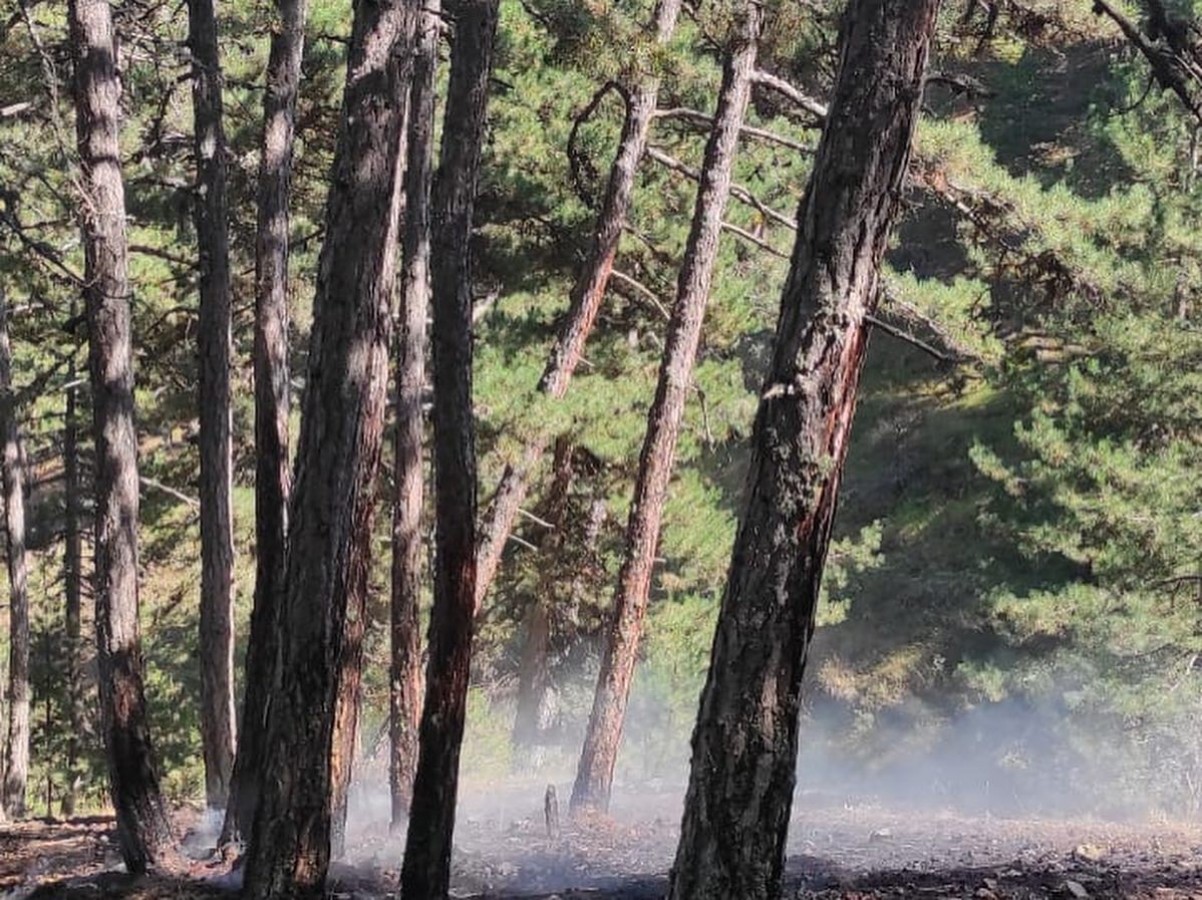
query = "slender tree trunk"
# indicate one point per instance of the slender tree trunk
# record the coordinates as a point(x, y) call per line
point(16, 761)
point(533, 672)
point(306, 763)
point(73, 582)
point(594, 776)
point(745, 744)
point(405, 694)
point(143, 829)
point(216, 650)
point(426, 870)
point(272, 465)
point(583, 305)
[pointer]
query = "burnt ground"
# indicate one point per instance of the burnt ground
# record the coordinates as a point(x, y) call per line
point(859, 851)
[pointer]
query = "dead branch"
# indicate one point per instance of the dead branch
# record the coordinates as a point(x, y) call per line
point(739, 193)
point(169, 491)
point(693, 115)
point(790, 92)
point(642, 290)
point(1173, 68)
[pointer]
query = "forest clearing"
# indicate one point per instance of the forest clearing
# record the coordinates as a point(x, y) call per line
point(601, 448)
point(839, 849)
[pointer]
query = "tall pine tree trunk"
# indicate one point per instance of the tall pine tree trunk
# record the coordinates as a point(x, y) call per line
point(533, 668)
point(272, 466)
point(143, 829)
point(314, 694)
point(216, 648)
point(73, 582)
point(405, 673)
point(584, 303)
point(16, 758)
point(745, 744)
point(594, 775)
point(426, 870)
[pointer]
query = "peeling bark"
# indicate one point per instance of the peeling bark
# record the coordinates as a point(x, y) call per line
point(73, 582)
point(583, 305)
point(405, 673)
point(313, 706)
point(427, 867)
point(533, 671)
point(143, 829)
point(273, 476)
point(216, 647)
point(745, 743)
point(594, 775)
point(16, 758)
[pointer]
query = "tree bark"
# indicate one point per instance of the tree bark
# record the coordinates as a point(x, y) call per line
point(583, 305)
point(217, 724)
point(143, 829)
point(594, 775)
point(16, 760)
point(310, 714)
point(533, 672)
point(745, 743)
point(273, 477)
point(426, 870)
point(73, 582)
point(405, 694)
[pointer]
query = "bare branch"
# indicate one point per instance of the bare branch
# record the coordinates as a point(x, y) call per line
point(739, 193)
point(785, 89)
point(693, 115)
point(642, 290)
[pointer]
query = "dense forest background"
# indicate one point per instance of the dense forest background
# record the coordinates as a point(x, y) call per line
point(1016, 584)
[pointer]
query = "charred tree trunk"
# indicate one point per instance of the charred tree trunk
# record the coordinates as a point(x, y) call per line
point(533, 674)
point(594, 776)
point(272, 466)
point(143, 829)
point(73, 582)
point(426, 871)
point(405, 674)
point(317, 688)
point(216, 448)
point(16, 759)
point(745, 743)
point(584, 303)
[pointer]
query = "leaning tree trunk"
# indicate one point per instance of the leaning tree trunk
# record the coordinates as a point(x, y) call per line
point(16, 759)
point(216, 649)
point(321, 620)
point(745, 744)
point(143, 829)
point(584, 303)
point(73, 582)
point(426, 871)
point(594, 775)
point(533, 670)
point(405, 673)
point(272, 465)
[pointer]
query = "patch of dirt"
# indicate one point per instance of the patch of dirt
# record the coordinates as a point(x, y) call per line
point(502, 850)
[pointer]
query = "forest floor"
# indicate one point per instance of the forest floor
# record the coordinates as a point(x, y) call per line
point(836, 850)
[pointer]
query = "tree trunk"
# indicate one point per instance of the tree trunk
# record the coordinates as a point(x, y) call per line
point(73, 582)
point(405, 694)
point(426, 870)
point(216, 448)
point(273, 475)
point(594, 776)
point(533, 674)
point(584, 303)
point(143, 829)
point(745, 744)
point(321, 623)
point(16, 760)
